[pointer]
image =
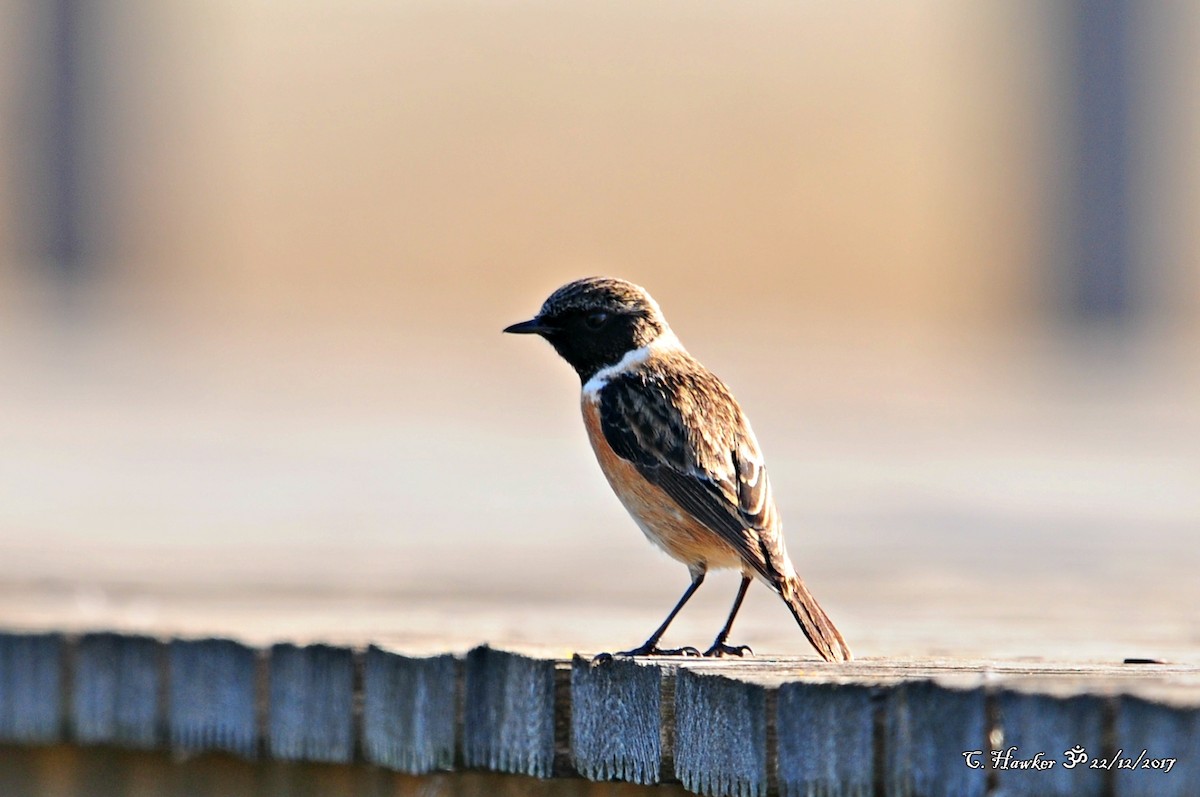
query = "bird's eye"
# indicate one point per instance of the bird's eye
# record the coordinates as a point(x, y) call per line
point(595, 320)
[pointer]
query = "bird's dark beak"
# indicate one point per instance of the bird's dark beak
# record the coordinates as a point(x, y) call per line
point(533, 326)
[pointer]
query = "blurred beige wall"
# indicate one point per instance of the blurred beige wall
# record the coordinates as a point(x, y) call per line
point(16, 36)
point(1169, 190)
point(848, 162)
point(309, 222)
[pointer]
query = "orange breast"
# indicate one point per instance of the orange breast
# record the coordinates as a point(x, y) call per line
point(663, 521)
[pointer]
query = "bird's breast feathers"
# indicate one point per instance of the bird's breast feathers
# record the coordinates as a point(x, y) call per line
point(664, 522)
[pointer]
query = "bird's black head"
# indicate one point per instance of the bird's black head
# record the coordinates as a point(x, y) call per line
point(594, 322)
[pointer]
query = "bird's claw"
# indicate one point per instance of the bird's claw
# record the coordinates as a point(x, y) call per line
point(720, 650)
point(651, 650)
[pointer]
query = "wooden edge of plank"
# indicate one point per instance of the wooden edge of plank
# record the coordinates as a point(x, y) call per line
point(616, 720)
point(215, 696)
point(721, 736)
point(310, 703)
point(509, 712)
point(33, 685)
point(800, 725)
point(411, 710)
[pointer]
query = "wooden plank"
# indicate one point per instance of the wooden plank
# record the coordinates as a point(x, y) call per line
point(509, 713)
point(722, 728)
point(616, 722)
point(1033, 725)
point(1147, 737)
point(116, 689)
point(30, 688)
point(310, 713)
point(720, 735)
point(826, 739)
point(926, 729)
point(409, 711)
point(212, 696)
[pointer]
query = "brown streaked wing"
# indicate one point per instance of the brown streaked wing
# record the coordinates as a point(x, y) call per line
point(684, 432)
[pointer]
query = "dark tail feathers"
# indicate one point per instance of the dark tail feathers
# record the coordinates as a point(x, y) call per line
point(813, 621)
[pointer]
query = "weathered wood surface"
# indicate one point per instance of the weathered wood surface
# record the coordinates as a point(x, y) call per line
point(409, 711)
point(742, 728)
point(826, 735)
point(212, 696)
point(616, 721)
point(116, 690)
point(311, 703)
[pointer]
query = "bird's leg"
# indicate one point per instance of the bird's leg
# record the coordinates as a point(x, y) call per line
point(719, 648)
point(650, 646)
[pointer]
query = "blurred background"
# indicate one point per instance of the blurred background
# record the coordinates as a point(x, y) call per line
point(255, 258)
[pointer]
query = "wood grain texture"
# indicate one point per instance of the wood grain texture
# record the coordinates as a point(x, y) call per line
point(720, 735)
point(616, 720)
point(1035, 723)
point(509, 713)
point(409, 711)
point(728, 728)
point(311, 706)
point(926, 729)
point(30, 688)
point(213, 697)
point(116, 690)
point(826, 739)
point(1146, 732)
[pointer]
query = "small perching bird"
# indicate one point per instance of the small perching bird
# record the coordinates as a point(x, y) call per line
point(677, 450)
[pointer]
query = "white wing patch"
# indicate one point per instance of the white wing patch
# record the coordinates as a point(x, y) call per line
point(752, 471)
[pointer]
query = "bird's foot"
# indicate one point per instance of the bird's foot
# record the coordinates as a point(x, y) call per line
point(651, 650)
point(720, 650)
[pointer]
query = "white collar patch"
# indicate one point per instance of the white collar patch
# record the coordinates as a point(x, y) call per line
point(664, 342)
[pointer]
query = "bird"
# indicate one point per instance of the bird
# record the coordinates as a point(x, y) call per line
point(677, 450)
